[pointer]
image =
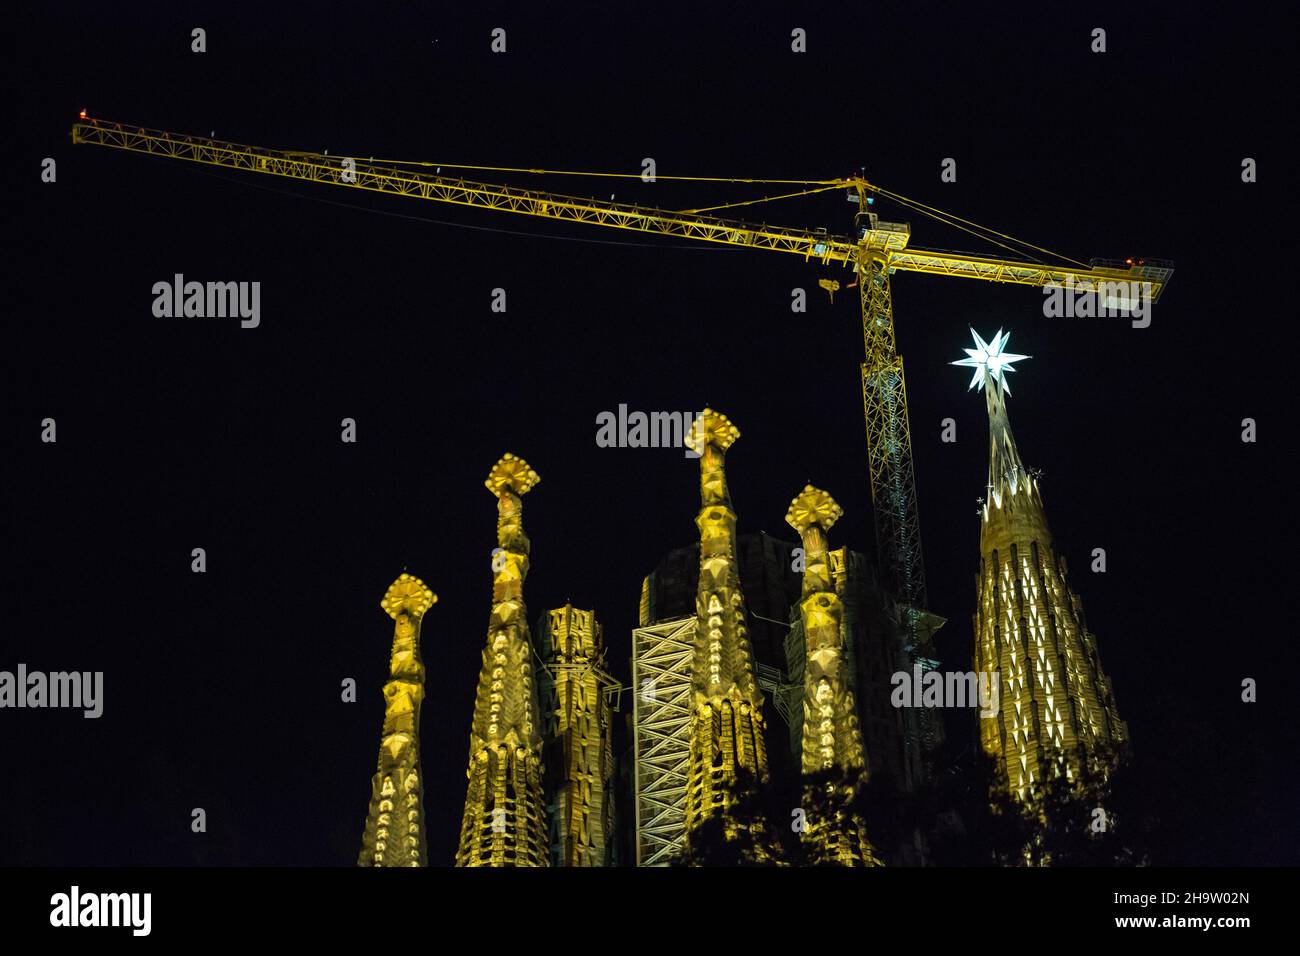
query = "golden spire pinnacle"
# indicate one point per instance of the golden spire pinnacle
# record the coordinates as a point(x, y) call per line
point(504, 823)
point(711, 428)
point(727, 727)
point(832, 741)
point(710, 435)
point(812, 506)
point(513, 473)
point(509, 480)
point(394, 834)
point(407, 595)
point(812, 513)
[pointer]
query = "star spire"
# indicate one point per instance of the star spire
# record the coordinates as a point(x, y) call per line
point(990, 360)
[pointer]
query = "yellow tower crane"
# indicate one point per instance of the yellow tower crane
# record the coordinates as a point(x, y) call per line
point(874, 252)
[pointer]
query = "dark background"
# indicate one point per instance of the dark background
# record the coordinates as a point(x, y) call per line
point(223, 689)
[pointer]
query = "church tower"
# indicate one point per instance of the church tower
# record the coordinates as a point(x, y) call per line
point(833, 759)
point(394, 834)
point(728, 751)
point(1056, 715)
point(505, 810)
point(578, 735)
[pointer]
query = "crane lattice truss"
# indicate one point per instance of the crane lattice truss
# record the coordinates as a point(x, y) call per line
point(876, 251)
point(662, 657)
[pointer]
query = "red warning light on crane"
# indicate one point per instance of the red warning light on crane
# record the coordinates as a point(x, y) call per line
point(83, 114)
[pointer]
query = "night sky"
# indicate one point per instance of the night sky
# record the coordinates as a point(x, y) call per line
point(223, 689)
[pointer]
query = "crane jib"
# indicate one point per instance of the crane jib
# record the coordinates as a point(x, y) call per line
point(889, 239)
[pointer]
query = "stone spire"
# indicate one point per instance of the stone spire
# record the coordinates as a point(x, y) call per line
point(394, 834)
point(831, 738)
point(727, 732)
point(505, 812)
point(578, 731)
point(833, 758)
point(1053, 711)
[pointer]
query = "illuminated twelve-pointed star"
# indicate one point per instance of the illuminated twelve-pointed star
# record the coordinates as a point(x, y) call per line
point(989, 360)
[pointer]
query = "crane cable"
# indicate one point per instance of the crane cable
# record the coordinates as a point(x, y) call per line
point(822, 185)
point(829, 183)
point(754, 202)
point(960, 223)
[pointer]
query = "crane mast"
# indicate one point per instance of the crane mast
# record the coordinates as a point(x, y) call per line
point(874, 253)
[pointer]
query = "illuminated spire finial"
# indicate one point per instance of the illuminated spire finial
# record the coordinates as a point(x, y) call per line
point(812, 506)
point(990, 361)
point(513, 473)
point(711, 428)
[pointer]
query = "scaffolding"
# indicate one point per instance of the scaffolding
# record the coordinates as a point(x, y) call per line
point(662, 657)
